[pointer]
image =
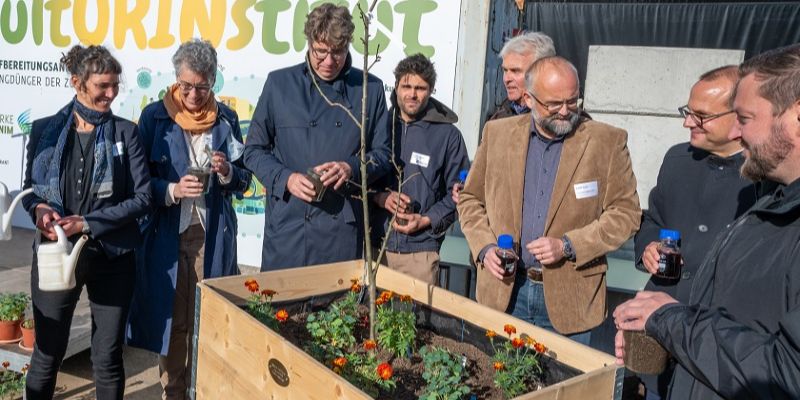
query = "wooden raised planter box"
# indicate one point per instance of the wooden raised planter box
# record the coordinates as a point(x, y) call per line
point(237, 357)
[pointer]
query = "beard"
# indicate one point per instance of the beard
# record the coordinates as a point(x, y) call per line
point(765, 157)
point(558, 125)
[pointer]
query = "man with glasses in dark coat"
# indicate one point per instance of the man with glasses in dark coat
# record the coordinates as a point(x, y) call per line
point(306, 152)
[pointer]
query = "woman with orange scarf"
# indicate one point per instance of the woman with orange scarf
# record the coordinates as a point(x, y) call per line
point(193, 144)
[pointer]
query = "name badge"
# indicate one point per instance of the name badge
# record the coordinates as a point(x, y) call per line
point(586, 189)
point(119, 149)
point(420, 159)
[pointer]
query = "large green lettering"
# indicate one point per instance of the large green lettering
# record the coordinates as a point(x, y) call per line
point(37, 18)
point(413, 10)
point(269, 40)
point(299, 24)
point(381, 41)
point(56, 8)
point(13, 36)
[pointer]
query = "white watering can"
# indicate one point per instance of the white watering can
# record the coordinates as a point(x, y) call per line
point(57, 261)
point(7, 209)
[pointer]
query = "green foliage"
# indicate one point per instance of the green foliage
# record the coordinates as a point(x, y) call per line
point(260, 307)
point(362, 371)
point(12, 306)
point(444, 374)
point(396, 324)
point(332, 329)
point(516, 364)
point(11, 383)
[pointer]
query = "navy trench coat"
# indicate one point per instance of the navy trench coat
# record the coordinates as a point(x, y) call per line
point(294, 129)
point(150, 317)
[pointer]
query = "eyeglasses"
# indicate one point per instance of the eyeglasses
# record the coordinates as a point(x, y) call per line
point(187, 87)
point(322, 54)
point(555, 106)
point(699, 119)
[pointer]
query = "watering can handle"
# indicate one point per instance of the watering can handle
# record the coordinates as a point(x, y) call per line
point(62, 236)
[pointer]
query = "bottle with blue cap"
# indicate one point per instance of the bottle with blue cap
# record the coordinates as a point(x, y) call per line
point(505, 251)
point(669, 259)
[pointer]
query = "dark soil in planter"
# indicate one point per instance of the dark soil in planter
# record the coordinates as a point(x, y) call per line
point(433, 328)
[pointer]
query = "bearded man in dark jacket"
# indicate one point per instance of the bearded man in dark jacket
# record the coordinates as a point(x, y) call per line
point(738, 336)
point(430, 152)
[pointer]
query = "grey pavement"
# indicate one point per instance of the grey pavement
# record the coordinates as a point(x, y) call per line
point(75, 378)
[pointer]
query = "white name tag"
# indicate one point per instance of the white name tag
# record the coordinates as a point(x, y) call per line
point(420, 159)
point(586, 189)
point(119, 149)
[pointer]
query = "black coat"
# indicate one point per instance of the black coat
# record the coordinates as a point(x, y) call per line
point(112, 220)
point(293, 129)
point(738, 336)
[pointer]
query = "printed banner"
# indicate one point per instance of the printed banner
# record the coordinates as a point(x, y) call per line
point(252, 38)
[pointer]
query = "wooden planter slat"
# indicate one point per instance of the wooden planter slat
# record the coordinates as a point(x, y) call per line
point(234, 349)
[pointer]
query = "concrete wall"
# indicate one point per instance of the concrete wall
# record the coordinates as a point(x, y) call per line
point(640, 89)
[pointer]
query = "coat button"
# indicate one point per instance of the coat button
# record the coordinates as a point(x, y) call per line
point(338, 124)
point(686, 275)
point(163, 159)
point(312, 124)
point(702, 228)
point(307, 217)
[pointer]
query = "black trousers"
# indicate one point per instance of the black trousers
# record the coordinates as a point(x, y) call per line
point(109, 283)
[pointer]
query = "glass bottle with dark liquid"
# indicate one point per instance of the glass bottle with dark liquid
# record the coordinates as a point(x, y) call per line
point(505, 252)
point(670, 262)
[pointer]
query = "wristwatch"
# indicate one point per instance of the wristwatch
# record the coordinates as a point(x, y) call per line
point(569, 252)
point(86, 228)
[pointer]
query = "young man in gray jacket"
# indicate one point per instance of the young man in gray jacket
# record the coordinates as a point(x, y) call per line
point(430, 152)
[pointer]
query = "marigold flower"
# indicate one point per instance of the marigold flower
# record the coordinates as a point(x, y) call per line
point(540, 348)
point(498, 366)
point(387, 295)
point(509, 329)
point(370, 344)
point(6, 364)
point(282, 315)
point(405, 298)
point(491, 334)
point(268, 292)
point(385, 371)
point(529, 340)
point(517, 343)
point(339, 362)
point(251, 285)
point(379, 301)
point(25, 368)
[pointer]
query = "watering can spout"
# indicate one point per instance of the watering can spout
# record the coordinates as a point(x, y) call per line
point(72, 260)
point(5, 214)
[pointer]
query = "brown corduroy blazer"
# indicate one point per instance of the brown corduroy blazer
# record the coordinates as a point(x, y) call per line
point(491, 204)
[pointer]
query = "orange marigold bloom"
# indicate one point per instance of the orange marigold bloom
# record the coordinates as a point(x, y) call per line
point(385, 371)
point(282, 315)
point(510, 329)
point(491, 334)
point(6, 364)
point(339, 362)
point(251, 285)
point(387, 295)
point(517, 343)
point(405, 298)
point(379, 301)
point(540, 348)
point(268, 292)
point(370, 344)
point(498, 366)
point(529, 340)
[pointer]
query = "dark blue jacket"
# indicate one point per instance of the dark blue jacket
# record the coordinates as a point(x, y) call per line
point(112, 220)
point(436, 140)
point(293, 129)
point(168, 157)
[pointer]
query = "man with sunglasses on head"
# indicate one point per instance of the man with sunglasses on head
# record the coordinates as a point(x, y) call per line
point(305, 150)
point(562, 185)
point(698, 192)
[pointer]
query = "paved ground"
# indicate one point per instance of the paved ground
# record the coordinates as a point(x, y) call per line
point(75, 379)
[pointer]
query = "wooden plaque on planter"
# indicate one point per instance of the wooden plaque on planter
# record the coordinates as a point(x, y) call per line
point(237, 357)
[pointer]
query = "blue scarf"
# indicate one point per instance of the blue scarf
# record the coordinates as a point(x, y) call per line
point(46, 169)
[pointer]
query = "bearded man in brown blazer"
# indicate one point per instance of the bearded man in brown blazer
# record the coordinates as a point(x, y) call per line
point(562, 185)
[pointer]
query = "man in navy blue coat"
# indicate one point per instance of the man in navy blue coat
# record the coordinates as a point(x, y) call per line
point(295, 130)
point(430, 151)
